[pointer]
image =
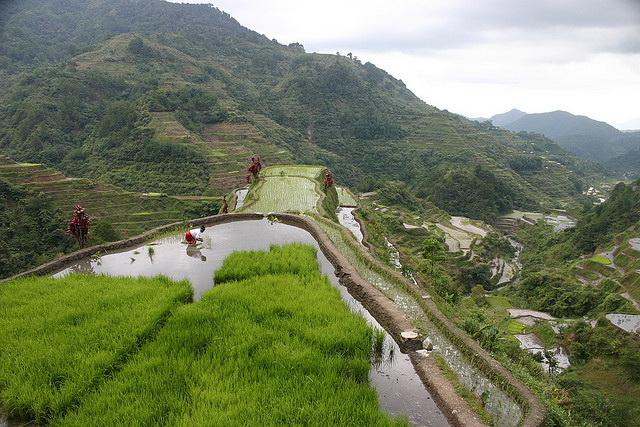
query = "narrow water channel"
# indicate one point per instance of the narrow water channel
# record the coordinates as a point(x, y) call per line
point(502, 408)
point(241, 195)
point(400, 390)
point(348, 220)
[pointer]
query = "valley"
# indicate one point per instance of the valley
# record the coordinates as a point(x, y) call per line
point(497, 270)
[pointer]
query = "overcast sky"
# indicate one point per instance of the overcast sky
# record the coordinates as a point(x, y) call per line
point(476, 57)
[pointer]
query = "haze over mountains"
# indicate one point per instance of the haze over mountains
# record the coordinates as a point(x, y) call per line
point(585, 137)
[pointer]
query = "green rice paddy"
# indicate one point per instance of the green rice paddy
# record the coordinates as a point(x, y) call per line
point(345, 198)
point(285, 194)
point(601, 260)
point(309, 172)
point(274, 349)
point(272, 344)
point(60, 337)
point(295, 258)
point(498, 302)
point(516, 327)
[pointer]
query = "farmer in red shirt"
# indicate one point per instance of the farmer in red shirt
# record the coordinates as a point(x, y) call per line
point(193, 236)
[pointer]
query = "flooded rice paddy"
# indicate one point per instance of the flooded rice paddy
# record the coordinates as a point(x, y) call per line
point(400, 390)
point(532, 344)
point(241, 195)
point(627, 322)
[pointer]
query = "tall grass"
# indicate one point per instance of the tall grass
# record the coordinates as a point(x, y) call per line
point(294, 258)
point(275, 349)
point(61, 336)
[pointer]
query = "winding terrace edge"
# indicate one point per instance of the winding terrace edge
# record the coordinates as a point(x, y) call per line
point(385, 311)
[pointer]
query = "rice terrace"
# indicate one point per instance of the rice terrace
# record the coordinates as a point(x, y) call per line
point(201, 225)
point(265, 321)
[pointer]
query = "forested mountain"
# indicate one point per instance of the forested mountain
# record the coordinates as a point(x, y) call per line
point(508, 117)
point(587, 138)
point(627, 162)
point(157, 96)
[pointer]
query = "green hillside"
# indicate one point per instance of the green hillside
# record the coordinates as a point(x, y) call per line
point(142, 98)
point(627, 162)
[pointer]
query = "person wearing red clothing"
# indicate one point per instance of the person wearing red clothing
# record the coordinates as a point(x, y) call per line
point(193, 236)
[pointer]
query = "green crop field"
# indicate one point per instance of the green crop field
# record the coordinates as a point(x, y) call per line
point(275, 349)
point(282, 194)
point(296, 258)
point(62, 336)
point(499, 302)
point(600, 259)
point(310, 172)
point(345, 198)
point(516, 327)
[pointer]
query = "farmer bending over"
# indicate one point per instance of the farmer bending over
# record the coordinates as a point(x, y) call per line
point(193, 236)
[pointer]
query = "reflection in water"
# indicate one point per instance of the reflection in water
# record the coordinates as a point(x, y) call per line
point(400, 390)
point(84, 266)
point(384, 355)
point(195, 252)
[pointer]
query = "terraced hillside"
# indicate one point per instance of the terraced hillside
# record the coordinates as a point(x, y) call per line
point(226, 146)
point(160, 104)
point(619, 267)
point(530, 164)
point(129, 213)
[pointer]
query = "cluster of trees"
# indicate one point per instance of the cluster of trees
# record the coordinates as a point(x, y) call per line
point(73, 121)
point(602, 222)
point(123, 150)
point(471, 191)
point(36, 32)
point(562, 296)
point(31, 229)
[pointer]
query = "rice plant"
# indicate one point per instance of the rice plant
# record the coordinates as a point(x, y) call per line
point(345, 198)
point(283, 194)
point(294, 258)
point(271, 349)
point(61, 336)
point(310, 172)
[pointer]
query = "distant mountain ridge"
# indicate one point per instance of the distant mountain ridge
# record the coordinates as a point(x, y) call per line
point(506, 118)
point(561, 123)
point(587, 138)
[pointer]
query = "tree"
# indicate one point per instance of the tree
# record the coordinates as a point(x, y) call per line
point(225, 204)
point(254, 169)
point(433, 251)
point(78, 227)
point(477, 294)
point(328, 180)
